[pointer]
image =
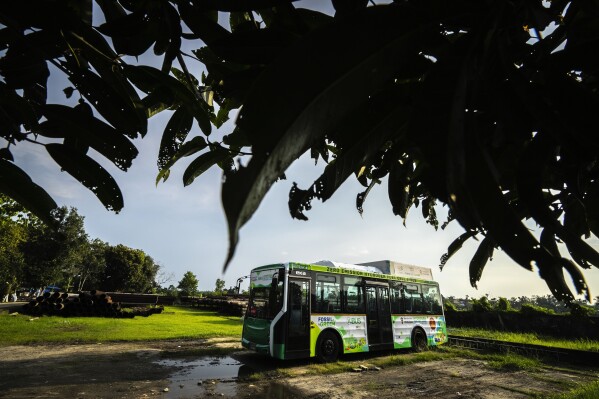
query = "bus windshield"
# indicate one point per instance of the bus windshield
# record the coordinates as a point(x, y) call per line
point(266, 299)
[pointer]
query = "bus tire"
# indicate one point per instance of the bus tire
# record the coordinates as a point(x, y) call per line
point(419, 340)
point(328, 347)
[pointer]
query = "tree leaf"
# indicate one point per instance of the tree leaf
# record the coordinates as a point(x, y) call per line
point(174, 135)
point(131, 34)
point(260, 46)
point(16, 184)
point(575, 219)
point(504, 227)
point(90, 173)
point(455, 246)
point(191, 147)
point(374, 136)
point(6, 154)
point(201, 23)
point(150, 80)
point(399, 188)
point(480, 259)
point(548, 242)
point(591, 204)
point(79, 124)
point(577, 278)
point(203, 163)
point(113, 107)
point(534, 159)
point(361, 197)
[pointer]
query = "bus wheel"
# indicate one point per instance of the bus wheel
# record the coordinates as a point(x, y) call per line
point(419, 340)
point(327, 347)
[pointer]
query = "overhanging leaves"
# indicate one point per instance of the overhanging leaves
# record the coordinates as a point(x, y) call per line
point(16, 184)
point(174, 135)
point(90, 173)
point(319, 95)
point(204, 162)
point(482, 255)
point(189, 148)
point(80, 124)
point(455, 246)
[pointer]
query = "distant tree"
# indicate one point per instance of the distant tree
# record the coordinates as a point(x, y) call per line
point(171, 290)
point(219, 286)
point(188, 284)
point(53, 255)
point(11, 258)
point(481, 305)
point(163, 277)
point(503, 304)
point(128, 270)
point(90, 270)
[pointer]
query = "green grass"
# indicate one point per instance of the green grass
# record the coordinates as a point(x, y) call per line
point(329, 368)
point(512, 362)
point(527, 338)
point(498, 361)
point(173, 323)
point(404, 359)
point(590, 391)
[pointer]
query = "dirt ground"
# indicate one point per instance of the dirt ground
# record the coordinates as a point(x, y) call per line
point(138, 370)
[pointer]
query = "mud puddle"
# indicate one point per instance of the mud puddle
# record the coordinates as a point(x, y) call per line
point(218, 376)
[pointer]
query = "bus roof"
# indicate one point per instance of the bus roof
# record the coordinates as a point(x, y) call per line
point(386, 269)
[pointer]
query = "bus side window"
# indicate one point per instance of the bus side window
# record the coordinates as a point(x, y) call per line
point(396, 298)
point(328, 298)
point(406, 301)
point(411, 298)
point(432, 299)
point(353, 295)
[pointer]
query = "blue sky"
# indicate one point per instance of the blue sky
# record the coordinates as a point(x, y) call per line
point(185, 228)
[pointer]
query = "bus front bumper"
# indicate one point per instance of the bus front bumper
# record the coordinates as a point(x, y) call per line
point(255, 347)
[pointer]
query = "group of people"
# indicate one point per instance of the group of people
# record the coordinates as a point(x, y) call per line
point(10, 297)
point(14, 296)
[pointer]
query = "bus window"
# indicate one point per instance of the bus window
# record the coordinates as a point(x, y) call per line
point(265, 301)
point(353, 295)
point(411, 301)
point(328, 298)
point(432, 299)
point(396, 297)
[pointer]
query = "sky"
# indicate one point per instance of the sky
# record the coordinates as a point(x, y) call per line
point(184, 228)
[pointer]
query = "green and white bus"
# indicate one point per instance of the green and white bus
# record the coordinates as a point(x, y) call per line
point(326, 309)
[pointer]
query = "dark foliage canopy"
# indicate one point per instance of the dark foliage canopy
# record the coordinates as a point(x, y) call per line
point(486, 106)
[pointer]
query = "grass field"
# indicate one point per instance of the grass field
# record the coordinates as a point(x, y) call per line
point(589, 391)
point(173, 323)
point(527, 338)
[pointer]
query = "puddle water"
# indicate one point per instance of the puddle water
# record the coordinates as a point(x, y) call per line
point(206, 376)
point(216, 376)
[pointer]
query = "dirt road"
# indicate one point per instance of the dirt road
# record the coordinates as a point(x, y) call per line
point(172, 370)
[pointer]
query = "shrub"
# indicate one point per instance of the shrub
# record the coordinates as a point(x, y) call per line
point(481, 305)
point(449, 306)
point(579, 310)
point(504, 305)
point(528, 308)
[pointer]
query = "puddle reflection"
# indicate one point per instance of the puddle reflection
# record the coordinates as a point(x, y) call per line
point(216, 376)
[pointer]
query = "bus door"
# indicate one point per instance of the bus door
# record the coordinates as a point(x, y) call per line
point(298, 318)
point(378, 316)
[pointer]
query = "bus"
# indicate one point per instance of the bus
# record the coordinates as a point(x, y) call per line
point(327, 309)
